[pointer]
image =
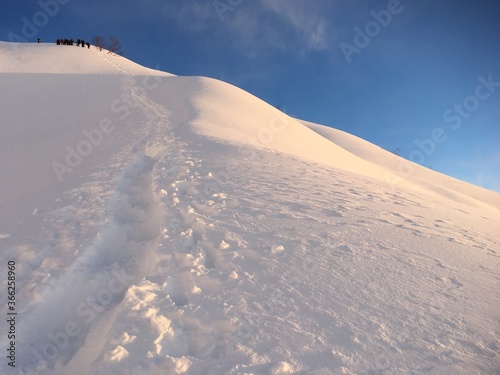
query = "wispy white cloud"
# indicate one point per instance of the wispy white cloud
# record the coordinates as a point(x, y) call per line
point(253, 27)
point(192, 15)
point(307, 20)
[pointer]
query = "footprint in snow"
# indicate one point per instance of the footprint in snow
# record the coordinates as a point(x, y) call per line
point(345, 249)
point(455, 282)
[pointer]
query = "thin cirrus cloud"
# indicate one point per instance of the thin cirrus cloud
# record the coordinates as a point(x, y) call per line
point(252, 28)
point(308, 23)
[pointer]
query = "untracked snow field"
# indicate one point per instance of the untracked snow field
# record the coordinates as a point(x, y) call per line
point(179, 225)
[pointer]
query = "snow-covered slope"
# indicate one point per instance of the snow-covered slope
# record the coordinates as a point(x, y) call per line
point(401, 171)
point(62, 59)
point(179, 225)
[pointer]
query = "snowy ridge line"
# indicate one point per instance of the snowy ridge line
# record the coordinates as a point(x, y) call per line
point(407, 174)
point(48, 58)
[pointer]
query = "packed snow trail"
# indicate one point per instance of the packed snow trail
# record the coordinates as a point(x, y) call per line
point(119, 256)
point(100, 277)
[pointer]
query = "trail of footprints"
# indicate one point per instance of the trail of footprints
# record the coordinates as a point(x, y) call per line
point(185, 245)
point(188, 267)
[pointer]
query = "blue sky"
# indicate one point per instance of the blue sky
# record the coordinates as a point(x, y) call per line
point(391, 72)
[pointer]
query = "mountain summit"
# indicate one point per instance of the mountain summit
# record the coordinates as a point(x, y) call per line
point(160, 224)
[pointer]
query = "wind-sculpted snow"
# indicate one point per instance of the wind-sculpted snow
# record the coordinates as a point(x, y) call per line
point(191, 228)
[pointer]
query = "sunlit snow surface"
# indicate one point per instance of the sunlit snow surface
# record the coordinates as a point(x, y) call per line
point(179, 225)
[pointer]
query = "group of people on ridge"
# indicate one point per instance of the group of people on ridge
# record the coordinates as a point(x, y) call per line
point(70, 42)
